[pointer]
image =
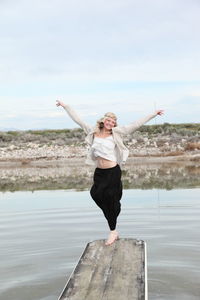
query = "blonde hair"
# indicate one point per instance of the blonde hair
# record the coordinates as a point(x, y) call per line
point(100, 122)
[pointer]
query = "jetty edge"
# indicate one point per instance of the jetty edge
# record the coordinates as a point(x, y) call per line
point(114, 272)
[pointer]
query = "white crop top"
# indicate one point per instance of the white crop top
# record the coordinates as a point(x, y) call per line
point(104, 147)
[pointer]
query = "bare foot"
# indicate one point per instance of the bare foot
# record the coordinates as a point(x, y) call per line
point(113, 236)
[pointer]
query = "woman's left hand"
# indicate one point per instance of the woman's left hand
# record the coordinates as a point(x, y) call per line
point(160, 112)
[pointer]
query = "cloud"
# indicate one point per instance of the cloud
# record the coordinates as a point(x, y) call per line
point(9, 116)
point(98, 55)
point(96, 39)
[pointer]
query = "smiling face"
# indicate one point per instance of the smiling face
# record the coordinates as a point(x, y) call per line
point(109, 123)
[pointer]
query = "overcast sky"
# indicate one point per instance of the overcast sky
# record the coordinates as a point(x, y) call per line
point(124, 56)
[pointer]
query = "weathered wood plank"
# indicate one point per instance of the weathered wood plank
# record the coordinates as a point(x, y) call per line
point(109, 272)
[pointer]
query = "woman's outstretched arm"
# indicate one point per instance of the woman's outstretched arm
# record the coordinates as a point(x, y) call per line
point(74, 116)
point(127, 129)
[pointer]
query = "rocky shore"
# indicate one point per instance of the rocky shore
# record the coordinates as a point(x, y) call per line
point(56, 159)
point(166, 146)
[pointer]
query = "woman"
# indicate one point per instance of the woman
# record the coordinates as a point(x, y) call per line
point(108, 153)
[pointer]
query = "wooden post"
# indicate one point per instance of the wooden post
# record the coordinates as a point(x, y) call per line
point(114, 272)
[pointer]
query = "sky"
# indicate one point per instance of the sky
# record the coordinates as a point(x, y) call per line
point(125, 56)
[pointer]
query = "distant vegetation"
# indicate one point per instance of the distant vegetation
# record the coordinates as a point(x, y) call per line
point(185, 129)
point(60, 136)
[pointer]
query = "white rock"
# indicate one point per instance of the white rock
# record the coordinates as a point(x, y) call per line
point(133, 141)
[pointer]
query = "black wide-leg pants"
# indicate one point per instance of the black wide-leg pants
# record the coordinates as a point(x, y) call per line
point(106, 191)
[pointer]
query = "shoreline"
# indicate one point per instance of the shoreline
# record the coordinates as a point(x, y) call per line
point(55, 161)
point(167, 143)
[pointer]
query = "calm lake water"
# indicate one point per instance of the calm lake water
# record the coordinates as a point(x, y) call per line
point(43, 234)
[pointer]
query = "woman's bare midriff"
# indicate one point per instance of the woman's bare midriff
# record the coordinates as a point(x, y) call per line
point(105, 163)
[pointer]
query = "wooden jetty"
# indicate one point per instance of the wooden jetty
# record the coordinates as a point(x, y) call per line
point(115, 272)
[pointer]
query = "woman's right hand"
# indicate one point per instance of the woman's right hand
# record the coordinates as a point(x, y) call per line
point(60, 103)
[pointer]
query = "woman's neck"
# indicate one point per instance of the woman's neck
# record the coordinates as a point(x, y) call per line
point(106, 131)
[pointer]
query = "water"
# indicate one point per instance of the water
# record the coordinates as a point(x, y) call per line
point(43, 234)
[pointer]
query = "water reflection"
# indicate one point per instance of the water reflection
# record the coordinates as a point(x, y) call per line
point(162, 176)
point(78, 176)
